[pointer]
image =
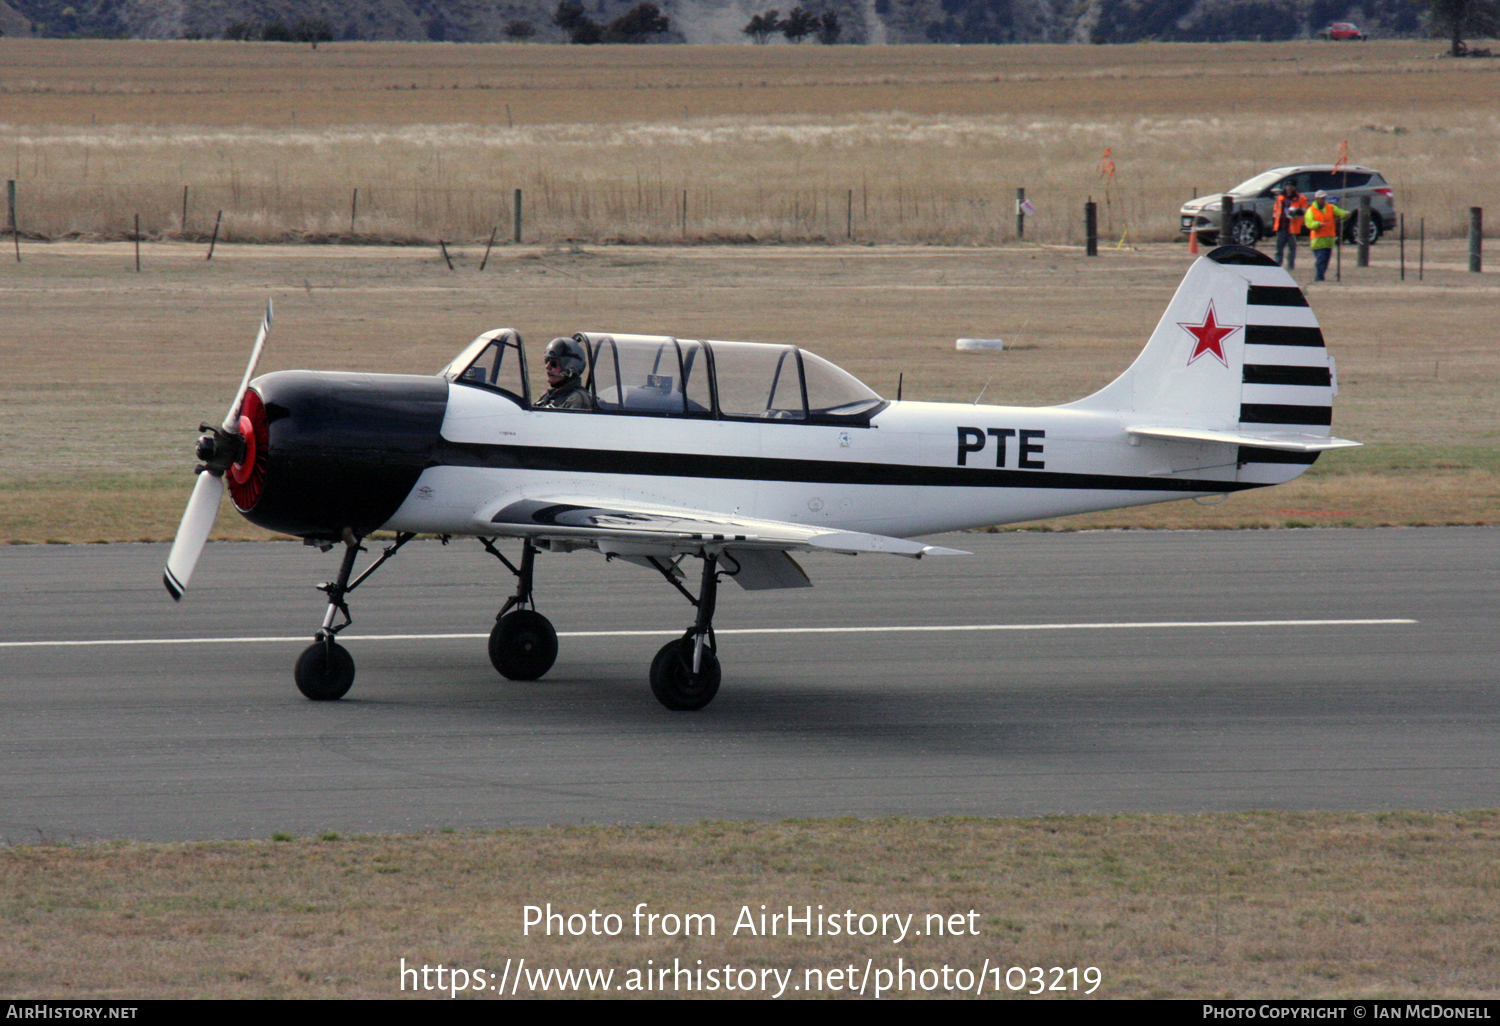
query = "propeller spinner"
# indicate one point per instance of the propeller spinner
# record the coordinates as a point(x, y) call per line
point(227, 449)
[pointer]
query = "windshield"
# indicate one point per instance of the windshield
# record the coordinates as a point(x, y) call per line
point(1261, 182)
point(494, 360)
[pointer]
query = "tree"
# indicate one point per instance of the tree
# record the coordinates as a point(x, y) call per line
point(1458, 18)
point(798, 25)
point(519, 31)
point(312, 30)
point(638, 24)
point(276, 32)
point(581, 29)
point(829, 28)
point(762, 27)
point(568, 14)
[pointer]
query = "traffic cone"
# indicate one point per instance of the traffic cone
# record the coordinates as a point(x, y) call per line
point(1192, 243)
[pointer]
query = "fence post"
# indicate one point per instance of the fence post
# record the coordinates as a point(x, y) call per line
point(444, 247)
point(10, 203)
point(215, 237)
point(1091, 228)
point(849, 218)
point(137, 243)
point(488, 246)
point(353, 209)
point(183, 227)
point(516, 221)
point(1421, 247)
point(1362, 229)
point(1020, 213)
point(1403, 247)
point(1476, 233)
point(1226, 218)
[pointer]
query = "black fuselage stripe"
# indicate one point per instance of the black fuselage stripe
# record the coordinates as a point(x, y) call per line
point(558, 460)
point(1282, 335)
point(1273, 374)
point(1284, 413)
point(1275, 295)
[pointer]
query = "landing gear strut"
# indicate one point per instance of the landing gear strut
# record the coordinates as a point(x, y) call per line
point(685, 673)
point(325, 670)
point(523, 643)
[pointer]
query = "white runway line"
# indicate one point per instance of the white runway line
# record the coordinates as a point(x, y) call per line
point(1156, 624)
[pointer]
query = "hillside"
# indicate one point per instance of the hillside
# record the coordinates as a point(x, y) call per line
point(723, 21)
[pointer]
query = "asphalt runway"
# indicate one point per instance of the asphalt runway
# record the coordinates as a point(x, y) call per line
point(1112, 672)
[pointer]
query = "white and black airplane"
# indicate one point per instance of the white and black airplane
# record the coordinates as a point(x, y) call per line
point(739, 454)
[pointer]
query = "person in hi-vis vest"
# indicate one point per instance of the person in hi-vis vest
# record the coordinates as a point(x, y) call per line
point(1287, 222)
point(1322, 228)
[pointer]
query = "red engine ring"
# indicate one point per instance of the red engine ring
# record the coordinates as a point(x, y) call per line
point(247, 478)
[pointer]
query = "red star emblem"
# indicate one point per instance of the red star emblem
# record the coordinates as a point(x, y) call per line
point(1210, 335)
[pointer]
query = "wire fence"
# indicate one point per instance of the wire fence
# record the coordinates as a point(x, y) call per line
point(551, 210)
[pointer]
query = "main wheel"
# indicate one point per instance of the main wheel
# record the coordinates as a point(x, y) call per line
point(673, 681)
point(1245, 230)
point(324, 671)
point(523, 645)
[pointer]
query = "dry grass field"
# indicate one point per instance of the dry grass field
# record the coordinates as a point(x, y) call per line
point(1254, 905)
point(670, 144)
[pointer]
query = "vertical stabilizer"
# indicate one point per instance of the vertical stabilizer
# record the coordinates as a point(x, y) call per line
point(1237, 358)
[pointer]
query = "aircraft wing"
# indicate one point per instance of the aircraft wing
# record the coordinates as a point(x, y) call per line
point(640, 527)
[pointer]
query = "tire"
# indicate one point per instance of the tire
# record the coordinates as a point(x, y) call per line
point(672, 679)
point(1244, 230)
point(523, 645)
point(324, 671)
point(1351, 233)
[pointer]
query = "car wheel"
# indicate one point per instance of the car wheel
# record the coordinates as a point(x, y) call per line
point(1245, 230)
point(1372, 233)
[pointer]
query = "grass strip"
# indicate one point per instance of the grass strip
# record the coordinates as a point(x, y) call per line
point(1259, 904)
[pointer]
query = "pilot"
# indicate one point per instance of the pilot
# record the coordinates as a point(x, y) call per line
point(565, 363)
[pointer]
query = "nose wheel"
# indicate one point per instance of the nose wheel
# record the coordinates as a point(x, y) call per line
point(324, 671)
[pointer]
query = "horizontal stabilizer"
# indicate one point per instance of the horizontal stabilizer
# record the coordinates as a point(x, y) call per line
point(1278, 440)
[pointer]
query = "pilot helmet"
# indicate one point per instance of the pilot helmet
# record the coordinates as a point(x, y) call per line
point(569, 356)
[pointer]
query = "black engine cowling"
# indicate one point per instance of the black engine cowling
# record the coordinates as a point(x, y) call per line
point(340, 450)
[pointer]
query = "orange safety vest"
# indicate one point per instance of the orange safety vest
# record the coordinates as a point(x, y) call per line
point(1323, 221)
point(1289, 213)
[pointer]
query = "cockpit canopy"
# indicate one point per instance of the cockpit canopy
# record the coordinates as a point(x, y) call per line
point(657, 375)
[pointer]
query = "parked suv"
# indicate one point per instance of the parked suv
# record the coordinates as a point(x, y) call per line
point(1255, 198)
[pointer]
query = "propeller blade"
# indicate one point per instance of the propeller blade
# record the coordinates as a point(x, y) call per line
point(232, 421)
point(192, 533)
